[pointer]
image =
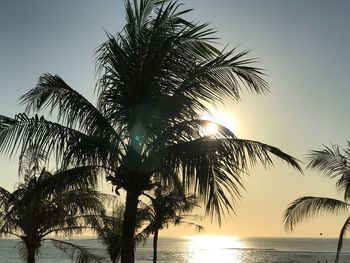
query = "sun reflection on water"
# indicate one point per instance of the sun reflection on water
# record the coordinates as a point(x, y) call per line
point(203, 249)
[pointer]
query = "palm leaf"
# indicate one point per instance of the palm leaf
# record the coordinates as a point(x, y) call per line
point(224, 74)
point(31, 161)
point(73, 109)
point(72, 179)
point(328, 161)
point(182, 132)
point(305, 207)
point(214, 167)
point(334, 164)
point(4, 198)
point(77, 253)
point(22, 250)
point(343, 184)
point(69, 144)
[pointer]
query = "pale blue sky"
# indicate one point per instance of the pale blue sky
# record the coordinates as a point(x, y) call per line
point(303, 45)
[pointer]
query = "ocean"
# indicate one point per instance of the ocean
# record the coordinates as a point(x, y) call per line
point(205, 249)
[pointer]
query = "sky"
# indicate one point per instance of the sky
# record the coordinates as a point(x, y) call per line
point(302, 45)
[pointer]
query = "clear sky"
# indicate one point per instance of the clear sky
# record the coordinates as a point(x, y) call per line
point(303, 45)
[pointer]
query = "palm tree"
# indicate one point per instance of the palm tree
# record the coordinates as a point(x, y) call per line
point(46, 203)
point(109, 231)
point(334, 163)
point(156, 79)
point(167, 207)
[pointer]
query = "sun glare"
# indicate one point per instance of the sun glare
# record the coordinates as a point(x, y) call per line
point(219, 117)
point(211, 129)
point(214, 242)
point(203, 249)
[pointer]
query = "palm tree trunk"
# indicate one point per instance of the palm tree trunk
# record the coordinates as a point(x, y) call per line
point(129, 225)
point(30, 255)
point(155, 245)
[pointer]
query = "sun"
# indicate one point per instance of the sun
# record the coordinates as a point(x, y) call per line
point(218, 117)
point(211, 129)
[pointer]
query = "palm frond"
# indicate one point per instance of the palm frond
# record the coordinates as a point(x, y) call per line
point(72, 145)
point(329, 161)
point(343, 184)
point(144, 234)
point(180, 220)
point(4, 198)
point(188, 130)
point(22, 250)
point(71, 179)
point(5, 233)
point(308, 206)
point(334, 163)
point(81, 200)
point(226, 74)
point(109, 231)
point(168, 206)
point(73, 109)
point(31, 162)
point(182, 132)
point(213, 168)
point(77, 253)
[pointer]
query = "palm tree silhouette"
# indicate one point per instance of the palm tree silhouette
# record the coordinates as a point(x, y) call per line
point(108, 227)
point(109, 231)
point(46, 203)
point(156, 79)
point(334, 163)
point(167, 207)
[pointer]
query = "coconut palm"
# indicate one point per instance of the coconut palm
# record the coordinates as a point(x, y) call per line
point(109, 230)
point(167, 207)
point(334, 163)
point(156, 79)
point(48, 203)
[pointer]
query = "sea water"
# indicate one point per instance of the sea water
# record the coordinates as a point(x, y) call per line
point(206, 249)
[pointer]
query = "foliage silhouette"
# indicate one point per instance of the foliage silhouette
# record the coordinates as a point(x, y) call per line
point(167, 207)
point(48, 203)
point(334, 163)
point(109, 230)
point(155, 80)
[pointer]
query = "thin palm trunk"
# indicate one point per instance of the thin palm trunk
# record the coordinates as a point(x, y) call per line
point(129, 225)
point(155, 245)
point(30, 255)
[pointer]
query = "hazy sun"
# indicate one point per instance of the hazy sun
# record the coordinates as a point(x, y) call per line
point(219, 117)
point(211, 129)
